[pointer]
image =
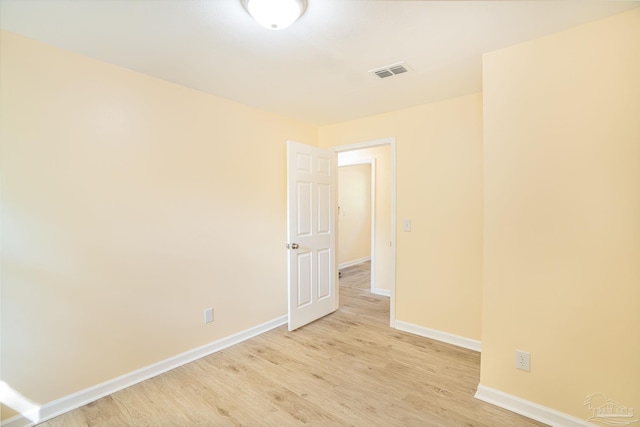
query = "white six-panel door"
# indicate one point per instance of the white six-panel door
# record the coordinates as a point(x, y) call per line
point(311, 212)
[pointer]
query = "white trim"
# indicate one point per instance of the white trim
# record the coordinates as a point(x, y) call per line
point(392, 321)
point(355, 162)
point(16, 421)
point(372, 251)
point(20, 404)
point(382, 292)
point(354, 262)
point(391, 142)
point(528, 409)
point(60, 406)
point(457, 340)
point(366, 144)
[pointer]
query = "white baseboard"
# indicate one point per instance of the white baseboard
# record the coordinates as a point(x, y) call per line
point(528, 409)
point(383, 292)
point(459, 341)
point(354, 262)
point(65, 404)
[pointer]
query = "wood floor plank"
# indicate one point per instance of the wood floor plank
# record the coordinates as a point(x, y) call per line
point(347, 369)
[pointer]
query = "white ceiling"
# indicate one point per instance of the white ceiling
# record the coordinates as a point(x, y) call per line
point(314, 71)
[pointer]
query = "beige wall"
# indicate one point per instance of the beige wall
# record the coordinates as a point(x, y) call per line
point(354, 222)
point(562, 216)
point(439, 187)
point(381, 156)
point(129, 205)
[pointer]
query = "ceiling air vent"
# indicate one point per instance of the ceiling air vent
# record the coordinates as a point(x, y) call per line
point(391, 70)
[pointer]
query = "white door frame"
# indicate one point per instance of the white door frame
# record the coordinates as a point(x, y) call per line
point(372, 208)
point(391, 142)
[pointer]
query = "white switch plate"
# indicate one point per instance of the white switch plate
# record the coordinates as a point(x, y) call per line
point(406, 225)
point(208, 315)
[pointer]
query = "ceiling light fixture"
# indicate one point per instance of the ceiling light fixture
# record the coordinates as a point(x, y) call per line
point(275, 14)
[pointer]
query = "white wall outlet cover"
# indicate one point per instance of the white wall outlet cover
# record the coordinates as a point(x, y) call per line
point(523, 360)
point(208, 315)
point(406, 225)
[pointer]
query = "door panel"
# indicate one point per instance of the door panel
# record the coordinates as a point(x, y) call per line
point(324, 274)
point(304, 279)
point(305, 210)
point(324, 209)
point(311, 212)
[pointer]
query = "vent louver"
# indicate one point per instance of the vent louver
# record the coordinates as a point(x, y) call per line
point(383, 73)
point(398, 69)
point(391, 70)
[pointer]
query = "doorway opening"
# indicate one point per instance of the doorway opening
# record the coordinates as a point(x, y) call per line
point(356, 215)
point(377, 160)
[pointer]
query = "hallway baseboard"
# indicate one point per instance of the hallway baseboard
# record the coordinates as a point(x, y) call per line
point(382, 292)
point(354, 262)
point(439, 335)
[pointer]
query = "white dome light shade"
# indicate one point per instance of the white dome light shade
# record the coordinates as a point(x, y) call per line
point(275, 14)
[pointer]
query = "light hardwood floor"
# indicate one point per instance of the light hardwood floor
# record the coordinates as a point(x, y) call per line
point(357, 276)
point(347, 369)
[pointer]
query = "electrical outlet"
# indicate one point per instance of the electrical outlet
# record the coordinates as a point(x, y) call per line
point(208, 315)
point(406, 225)
point(523, 360)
